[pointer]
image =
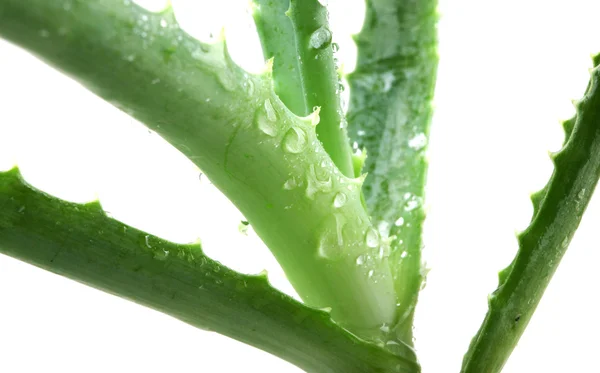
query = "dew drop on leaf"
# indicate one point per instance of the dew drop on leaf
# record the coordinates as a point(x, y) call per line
point(360, 260)
point(161, 254)
point(249, 87)
point(331, 242)
point(265, 119)
point(418, 142)
point(318, 180)
point(372, 238)
point(290, 184)
point(339, 200)
point(580, 195)
point(320, 38)
point(294, 140)
point(271, 115)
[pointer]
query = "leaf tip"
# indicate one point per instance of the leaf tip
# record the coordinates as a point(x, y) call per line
point(268, 68)
point(314, 118)
point(359, 180)
point(596, 59)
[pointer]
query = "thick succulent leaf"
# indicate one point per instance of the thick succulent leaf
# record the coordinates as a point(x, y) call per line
point(82, 243)
point(297, 35)
point(276, 34)
point(389, 115)
point(558, 208)
point(232, 125)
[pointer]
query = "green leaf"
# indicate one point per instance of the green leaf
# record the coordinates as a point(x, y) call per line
point(232, 125)
point(297, 35)
point(389, 115)
point(278, 41)
point(82, 243)
point(559, 208)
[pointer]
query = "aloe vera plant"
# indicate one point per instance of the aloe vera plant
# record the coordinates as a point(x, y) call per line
point(345, 228)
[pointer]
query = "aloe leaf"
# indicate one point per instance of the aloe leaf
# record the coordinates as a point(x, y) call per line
point(82, 243)
point(296, 35)
point(232, 125)
point(278, 41)
point(389, 115)
point(558, 210)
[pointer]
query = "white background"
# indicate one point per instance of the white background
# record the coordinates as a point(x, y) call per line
point(508, 71)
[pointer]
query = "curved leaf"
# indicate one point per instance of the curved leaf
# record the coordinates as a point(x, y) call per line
point(389, 115)
point(558, 209)
point(82, 243)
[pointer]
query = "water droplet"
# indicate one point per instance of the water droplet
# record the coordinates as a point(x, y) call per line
point(290, 184)
point(249, 87)
point(370, 274)
point(395, 347)
point(384, 228)
point(404, 254)
point(372, 238)
point(418, 142)
point(130, 58)
point(266, 118)
point(147, 241)
point(318, 180)
point(399, 222)
point(384, 249)
point(155, 81)
point(385, 328)
point(161, 254)
point(294, 140)
point(44, 33)
point(565, 243)
point(331, 243)
point(360, 132)
point(360, 260)
point(411, 205)
point(339, 200)
point(163, 23)
point(21, 209)
point(412, 202)
point(271, 115)
point(580, 195)
point(320, 38)
point(335, 47)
